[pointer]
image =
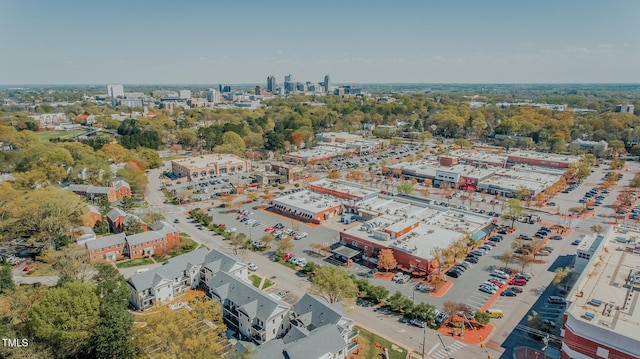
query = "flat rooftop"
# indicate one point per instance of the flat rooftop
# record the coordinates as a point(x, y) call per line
point(485, 157)
point(207, 160)
point(351, 188)
point(307, 201)
point(436, 228)
point(317, 152)
point(530, 177)
point(605, 298)
point(544, 156)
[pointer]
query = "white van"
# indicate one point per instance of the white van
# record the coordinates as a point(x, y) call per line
point(142, 270)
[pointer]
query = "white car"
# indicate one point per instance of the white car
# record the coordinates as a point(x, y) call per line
point(252, 267)
point(301, 235)
point(231, 230)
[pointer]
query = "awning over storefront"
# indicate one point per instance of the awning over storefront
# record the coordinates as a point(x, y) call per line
point(346, 252)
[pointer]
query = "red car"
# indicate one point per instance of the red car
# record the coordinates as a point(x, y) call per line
point(500, 285)
point(520, 282)
point(240, 216)
point(268, 229)
point(287, 256)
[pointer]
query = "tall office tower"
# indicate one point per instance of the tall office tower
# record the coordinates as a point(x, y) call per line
point(271, 84)
point(213, 96)
point(115, 91)
point(259, 90)
point(327, 84)
point(288, 79)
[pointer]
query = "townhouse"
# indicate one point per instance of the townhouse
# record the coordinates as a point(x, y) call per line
point(118, 219)
point(163, 239)
point(118, 190)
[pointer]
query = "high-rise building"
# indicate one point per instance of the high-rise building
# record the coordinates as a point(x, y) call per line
point(271, 84)
point(115, 91)
point(213, 96)
point(259, 90)
point(327, 83)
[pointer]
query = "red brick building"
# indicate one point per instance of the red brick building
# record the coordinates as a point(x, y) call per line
point(116, 191)
point(118, 219)
point(90, 218)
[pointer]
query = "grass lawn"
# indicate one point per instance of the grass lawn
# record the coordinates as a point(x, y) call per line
point(42, 269)
point(134, 263)
point(267, 283)
point(368, 340)
point(47, 135)
point(255, 280)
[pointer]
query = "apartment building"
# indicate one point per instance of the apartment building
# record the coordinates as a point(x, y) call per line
point(251, 313)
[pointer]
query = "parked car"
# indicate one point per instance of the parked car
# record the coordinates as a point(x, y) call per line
point(487, 289)
point(518, 281)
point(515, 289)
point(397, 276)
point(252, 267)
point(418, 323)
point(556, 238)
point(508, 293)
point(556, 299)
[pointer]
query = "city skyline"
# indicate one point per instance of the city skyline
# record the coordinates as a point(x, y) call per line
point(70, 42)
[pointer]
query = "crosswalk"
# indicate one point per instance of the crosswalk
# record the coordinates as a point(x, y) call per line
point(445, 353)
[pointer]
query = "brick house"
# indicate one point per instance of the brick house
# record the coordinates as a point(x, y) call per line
point(118, 190)
point(108, 248)
point(169, 233)
point(144, 244)
point(118, 219)
point(90, 218)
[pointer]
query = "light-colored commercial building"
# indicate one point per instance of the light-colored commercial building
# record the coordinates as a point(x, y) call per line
point(115, 91)
point(308, 206)
point(602, 319)
point(209, 165)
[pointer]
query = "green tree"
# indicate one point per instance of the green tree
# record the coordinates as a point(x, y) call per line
point(114, 332)
point(399, 303)
point(72, 262)
point(333, 284)
point(508, 143)
point(126, 203)
point(6, 279)
point(133, 226)
point(377, 293)
point(482, 317)
point(66, 317)
point(150, 157)
point(424, 311)
point(405, 187)
point(231, 143)
point(513, 210)
point(284, 245)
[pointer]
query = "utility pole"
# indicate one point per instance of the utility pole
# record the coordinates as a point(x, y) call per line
point(424, 340)
point(444, 346)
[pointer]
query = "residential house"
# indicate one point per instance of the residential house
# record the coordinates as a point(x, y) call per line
point(90, 218)
point(119, 219)
point(83, 234)
point(251, 313)
point(108, 248)
point(122, 189)
point(144, 244)
point(162, 284)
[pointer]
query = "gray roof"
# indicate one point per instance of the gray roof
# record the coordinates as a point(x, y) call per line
point(115, 213)
point(321, 341)
point(163, 228)
point(93, 209)
point(98, 190)
point(295, 333)
point(273, 349)
point(171, 269)
point(314, 312)
point(250, 300)
point(105, 242)
point(221, 262)
point(121, 183)
point(78, 187)
point(143, 237)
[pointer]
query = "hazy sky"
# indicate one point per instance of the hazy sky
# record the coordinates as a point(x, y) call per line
point(244, 41)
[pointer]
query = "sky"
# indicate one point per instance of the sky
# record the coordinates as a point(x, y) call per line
point(354, 41)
